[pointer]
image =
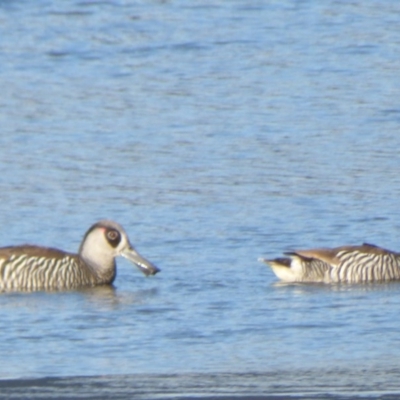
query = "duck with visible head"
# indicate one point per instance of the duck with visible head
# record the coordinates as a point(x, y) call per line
point(40, 268)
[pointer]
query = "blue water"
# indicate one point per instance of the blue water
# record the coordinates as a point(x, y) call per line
point(215, 133)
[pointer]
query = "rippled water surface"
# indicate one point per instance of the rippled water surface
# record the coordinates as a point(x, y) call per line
point(215, 133)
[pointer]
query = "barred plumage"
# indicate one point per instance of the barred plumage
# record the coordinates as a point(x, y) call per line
point(39, 268)
point(351, 264)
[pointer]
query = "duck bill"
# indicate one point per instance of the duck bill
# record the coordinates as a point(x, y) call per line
point(144, 265)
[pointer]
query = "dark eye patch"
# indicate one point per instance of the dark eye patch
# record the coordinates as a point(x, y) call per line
point(113, 237)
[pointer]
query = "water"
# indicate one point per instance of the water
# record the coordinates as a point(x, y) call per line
point(215, 133)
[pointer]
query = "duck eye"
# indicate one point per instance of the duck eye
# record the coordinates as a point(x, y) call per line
point(113, 237)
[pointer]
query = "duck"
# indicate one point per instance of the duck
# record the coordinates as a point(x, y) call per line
point(365, 263)
point(31, 267)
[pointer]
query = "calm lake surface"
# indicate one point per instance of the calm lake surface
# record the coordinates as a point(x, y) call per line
point(215, 133)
